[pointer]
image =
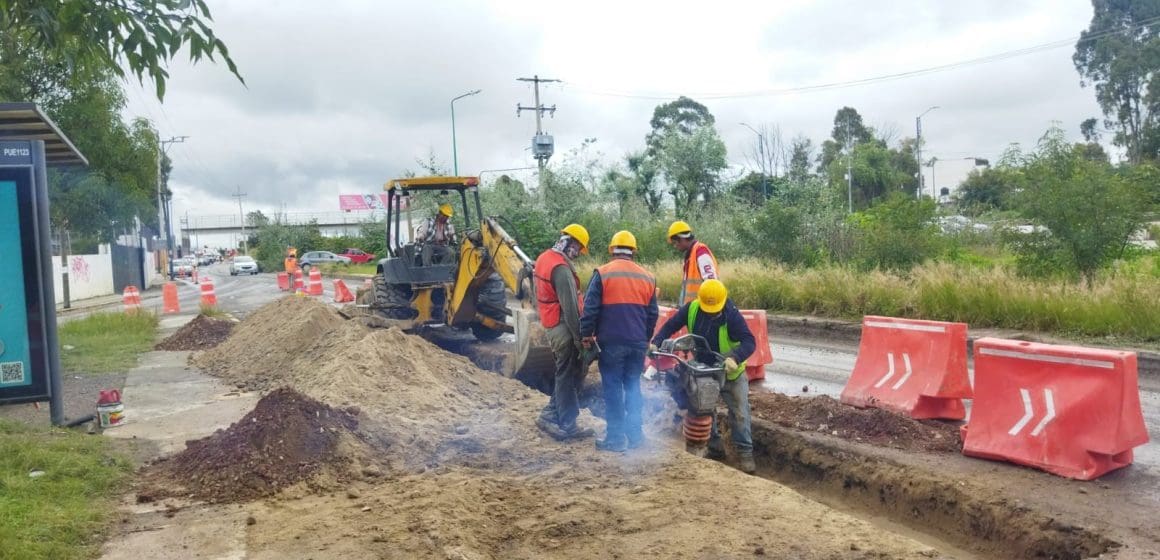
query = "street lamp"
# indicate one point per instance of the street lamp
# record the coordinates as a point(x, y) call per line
point(761, 154)
point(918, 149)
point(454, 149)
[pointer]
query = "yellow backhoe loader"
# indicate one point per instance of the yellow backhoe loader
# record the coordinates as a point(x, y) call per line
point(461, 280)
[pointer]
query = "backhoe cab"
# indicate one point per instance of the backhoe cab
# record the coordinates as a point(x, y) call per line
point(463, 288)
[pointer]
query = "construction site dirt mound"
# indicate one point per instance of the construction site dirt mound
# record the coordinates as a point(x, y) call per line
point(268, 341)
point(202, 333)
point(288, 438)
point(823, 414)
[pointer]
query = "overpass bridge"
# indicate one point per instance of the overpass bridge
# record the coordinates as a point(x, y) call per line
point(226, 229)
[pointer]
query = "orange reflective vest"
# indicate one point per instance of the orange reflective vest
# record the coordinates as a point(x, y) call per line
point(546, 299)
point(694, 276)
point(625, 282)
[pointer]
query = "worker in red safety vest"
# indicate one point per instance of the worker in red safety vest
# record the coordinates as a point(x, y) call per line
point(559, 302)
point(620, 314)
point(700, 264)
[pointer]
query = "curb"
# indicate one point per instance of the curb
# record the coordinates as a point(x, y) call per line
point(1147, 362)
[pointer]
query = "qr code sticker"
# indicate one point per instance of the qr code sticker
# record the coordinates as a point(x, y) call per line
point(11, 372)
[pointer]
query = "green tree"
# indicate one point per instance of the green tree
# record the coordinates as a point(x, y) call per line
point(987, 189)
point(898, 233)
point(848, 131)
point(681, 117)
point(874, 173)
point(99, 35)
point(1088, 209)
point(1119, 54)
point(692, 165)
point(801, 154)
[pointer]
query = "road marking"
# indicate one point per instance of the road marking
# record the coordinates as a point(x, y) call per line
point(1102, 364)
point(889, 374)
point(906, 362)
point(1028, 414)
point(1050, 398)
point(906, 326)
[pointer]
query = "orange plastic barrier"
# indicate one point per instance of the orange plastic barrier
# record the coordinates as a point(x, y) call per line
point(208, 295)
point(917, 368)
point(131, 298)
point(169, 303)
point(1070, 411)
point(762, 356)
point(283, 281)
point(314, 288)
point(299, 287)
point(341, 293)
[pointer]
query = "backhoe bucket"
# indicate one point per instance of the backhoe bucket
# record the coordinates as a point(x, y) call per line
point(531, 360)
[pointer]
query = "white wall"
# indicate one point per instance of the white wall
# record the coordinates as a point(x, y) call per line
point(151, 275)
point(89, 276)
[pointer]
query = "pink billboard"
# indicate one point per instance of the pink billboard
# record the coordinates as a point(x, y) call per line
point(352, 202)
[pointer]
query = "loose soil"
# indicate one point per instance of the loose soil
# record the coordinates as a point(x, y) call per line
point(462, 472)
point(824, 414)
point(288, 438)
point(201, 333)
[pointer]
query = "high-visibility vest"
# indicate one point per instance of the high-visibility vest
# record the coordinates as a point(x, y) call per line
point(290, 264)
point(546, 298)
point(626, 290)
point(724, 343)
point(692, 279)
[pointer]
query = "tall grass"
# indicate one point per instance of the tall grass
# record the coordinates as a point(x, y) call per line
point(106, 342)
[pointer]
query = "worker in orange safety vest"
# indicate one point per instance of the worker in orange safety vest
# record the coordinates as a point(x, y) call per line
point(558, 299)
point(699, 265)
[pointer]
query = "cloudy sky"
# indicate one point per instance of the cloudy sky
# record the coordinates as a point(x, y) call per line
point(341, 96)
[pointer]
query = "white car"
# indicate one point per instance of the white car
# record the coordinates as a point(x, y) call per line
point(182, 267)
point(244, 265)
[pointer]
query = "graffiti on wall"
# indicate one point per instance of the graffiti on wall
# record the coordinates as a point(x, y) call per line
point(80, 269)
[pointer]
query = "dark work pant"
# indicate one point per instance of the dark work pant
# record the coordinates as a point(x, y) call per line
point(620, 369)
point(564, 406)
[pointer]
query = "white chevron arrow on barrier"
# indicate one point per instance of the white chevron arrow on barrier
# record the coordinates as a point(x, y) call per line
point(1029, 413)
point(890, 371)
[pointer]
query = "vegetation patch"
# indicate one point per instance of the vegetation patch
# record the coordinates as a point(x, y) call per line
point(106, 342)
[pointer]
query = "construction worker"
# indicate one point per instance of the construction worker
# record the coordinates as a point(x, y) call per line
point(290, 263)
point(558, 299)
point(620, 314)
point(700, 264)
point(714, 317)
point(437, 235)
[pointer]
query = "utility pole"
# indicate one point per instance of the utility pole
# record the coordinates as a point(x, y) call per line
point(918, 150)
point(542, 144)
point(454, 147)
point(849, 170)
point(162, 224)
point(761, 154)
point(245, 243)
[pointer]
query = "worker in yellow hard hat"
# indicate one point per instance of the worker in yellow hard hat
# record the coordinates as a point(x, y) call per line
point(714, 317)
point(620, 314)
point(437, 234)
point(699, 265)
point(558, 299)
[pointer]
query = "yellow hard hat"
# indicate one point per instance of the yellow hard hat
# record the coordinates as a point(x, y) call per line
point(446, 210)
point(579, 233)
point(712, 296)
point(622, 238)
point(678, 228)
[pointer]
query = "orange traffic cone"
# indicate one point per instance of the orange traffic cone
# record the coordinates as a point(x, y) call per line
point(132, 299)
point(169, 302)
point(283, 281)
point(341, 293)
point(298, 286)
point(315, 286)
point(208, 296)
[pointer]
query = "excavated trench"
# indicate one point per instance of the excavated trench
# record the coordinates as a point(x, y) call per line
point(945, 512)
point(947, 509)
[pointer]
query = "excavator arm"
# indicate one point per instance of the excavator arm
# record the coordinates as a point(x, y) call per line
point(483, 254)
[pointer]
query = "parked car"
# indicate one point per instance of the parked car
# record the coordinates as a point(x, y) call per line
point(315, 258)
point(244, 265)
point(183, 267)
point(358, 256)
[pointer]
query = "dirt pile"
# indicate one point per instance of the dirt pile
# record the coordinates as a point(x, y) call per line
point(202, 333)
point(826, 415)
point(288, 438)
point(268, 341)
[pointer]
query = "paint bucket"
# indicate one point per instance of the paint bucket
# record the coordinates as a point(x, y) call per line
point(110, 411)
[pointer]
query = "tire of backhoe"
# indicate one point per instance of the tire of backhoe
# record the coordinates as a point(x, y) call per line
point(492, 294)
point(392, 301)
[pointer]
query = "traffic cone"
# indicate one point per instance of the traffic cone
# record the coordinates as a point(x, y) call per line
point(169, 302)
point(284, 281)
point(298, 286)
point(132, 299)
point(315, 286)
point(208, 296)
point(341, 293)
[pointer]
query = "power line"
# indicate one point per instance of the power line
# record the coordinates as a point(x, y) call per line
point(877, 79)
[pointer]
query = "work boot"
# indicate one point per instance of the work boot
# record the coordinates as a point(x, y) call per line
point(636, 442)
point(746, 463)
point(616, 445)
point(715, 451)
point(576, 432)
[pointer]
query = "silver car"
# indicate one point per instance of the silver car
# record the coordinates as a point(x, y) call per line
point(315, 258)
point(244, 265)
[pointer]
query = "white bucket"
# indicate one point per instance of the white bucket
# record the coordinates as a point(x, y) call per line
point(111, 415)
